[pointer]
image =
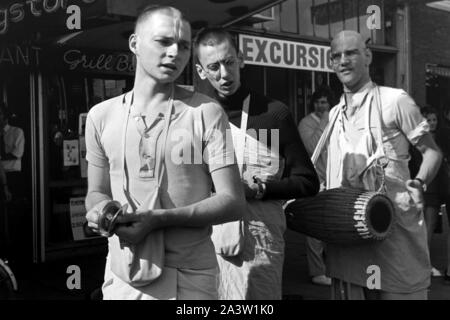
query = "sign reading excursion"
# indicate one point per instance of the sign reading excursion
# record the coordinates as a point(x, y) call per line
point(284, 54)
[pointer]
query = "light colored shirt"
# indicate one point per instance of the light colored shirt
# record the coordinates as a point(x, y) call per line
point(403, 256)
point(187, 180)
point(311, 128)
point(14, 140)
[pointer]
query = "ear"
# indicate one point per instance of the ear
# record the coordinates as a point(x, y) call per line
point(241, 59)
point(368, 57)
point(132, 43)
point(201, 72)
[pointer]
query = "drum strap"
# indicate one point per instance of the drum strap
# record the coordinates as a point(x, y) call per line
point(379, 156)
point(324, 138)
point(240, 144)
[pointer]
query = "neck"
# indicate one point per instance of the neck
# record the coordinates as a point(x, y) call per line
point(318, 114)
point(148, 93)
point(358, 86)
point(233, 101)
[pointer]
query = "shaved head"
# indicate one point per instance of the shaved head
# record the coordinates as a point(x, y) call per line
point(149, 11)
point(347, 35)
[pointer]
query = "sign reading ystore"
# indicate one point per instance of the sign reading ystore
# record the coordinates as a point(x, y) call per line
point(284, 54)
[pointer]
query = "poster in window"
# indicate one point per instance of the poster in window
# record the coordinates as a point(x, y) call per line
point(71, 153)
point(82, 123)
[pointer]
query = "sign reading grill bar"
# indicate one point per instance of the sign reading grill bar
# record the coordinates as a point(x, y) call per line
point(284, 54)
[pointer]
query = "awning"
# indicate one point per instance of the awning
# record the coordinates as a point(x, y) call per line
point(108, 23)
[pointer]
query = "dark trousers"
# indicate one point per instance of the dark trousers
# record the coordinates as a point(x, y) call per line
point(18, 219)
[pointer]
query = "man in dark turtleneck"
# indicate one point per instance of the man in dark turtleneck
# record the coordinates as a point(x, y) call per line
point(275, 167)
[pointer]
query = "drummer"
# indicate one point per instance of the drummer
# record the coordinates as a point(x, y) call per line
point(398, 267)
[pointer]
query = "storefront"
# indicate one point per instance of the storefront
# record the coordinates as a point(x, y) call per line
point(430, 54)
point(49, 91)
point(287, 55)
point(58, 58)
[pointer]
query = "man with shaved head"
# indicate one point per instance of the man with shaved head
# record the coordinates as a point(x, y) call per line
point(272, 170)
point(357, 153)
point(133, 146)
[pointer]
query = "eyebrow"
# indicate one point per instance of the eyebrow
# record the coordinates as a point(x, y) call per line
point(348, 50)
point(212, 64)
point(173, 39)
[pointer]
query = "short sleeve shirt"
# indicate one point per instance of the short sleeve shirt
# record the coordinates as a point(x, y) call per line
point(196, 145)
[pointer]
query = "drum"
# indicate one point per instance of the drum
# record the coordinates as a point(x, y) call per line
point(342, 216)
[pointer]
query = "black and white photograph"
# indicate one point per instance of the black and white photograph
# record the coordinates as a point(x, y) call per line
point(255, 153)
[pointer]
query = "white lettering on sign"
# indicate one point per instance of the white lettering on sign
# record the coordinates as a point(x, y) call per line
point(108, 62)
point(74, 20)
point(16, 12)
point(19, 55)
point(284, 54)
point(374, 19)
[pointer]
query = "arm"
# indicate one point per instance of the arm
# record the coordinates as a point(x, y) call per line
point(226, 205)
point(99, 187)
point(431, 162)
point(413, 125)
point(99, 193)
point(432, 158)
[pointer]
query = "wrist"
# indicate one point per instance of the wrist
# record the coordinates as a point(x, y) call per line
point(261, 191)
point(422, 183)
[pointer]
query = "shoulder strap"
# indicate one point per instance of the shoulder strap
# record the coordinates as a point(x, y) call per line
point(324, 138)
point(240, 147)
point(379, 136)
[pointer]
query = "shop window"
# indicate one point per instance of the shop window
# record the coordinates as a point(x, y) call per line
point(320, 13)
point(437, 84)
point(320, 79)
point(288, 16)
point(303, 94)
point(305, 17)
point(15, 88)
point(68, 98)
point(253, 78)
point(272, 24)
point(277, 84)
point(350, 15)
point(336, 18)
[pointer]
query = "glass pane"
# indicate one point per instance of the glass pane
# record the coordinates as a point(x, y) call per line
point(321, 79)
point(305, 17)
point(288, 16)
point(253, 78)
point(336, 10)
point(321, 18)
point(16, 230)
point(277, 84)
point(304, 92)
point(351, 15)
point(68, 97)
